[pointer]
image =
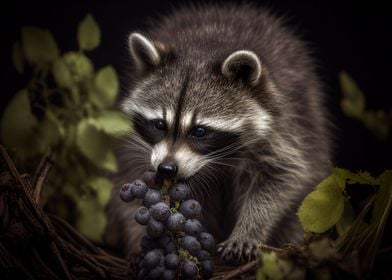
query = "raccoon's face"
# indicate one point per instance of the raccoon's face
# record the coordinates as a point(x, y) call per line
point(193, 115)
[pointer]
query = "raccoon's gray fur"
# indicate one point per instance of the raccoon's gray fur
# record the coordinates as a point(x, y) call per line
point(244, 76)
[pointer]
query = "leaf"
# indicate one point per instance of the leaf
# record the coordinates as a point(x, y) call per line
point(39, 45)
point(91, 220)
point(18, 125)
point(18, 58)
point(363, 178)
point(353, 103)
point(378, 123)
point(62, 74)
point(79, 66)
point(89, 35)
point(114, 123)
point(269, 267)
point(102, 187)
point(95, 145)
point(50, 131)
point(322, 249)
point(322, 208)
point(346, 220)
point(274, 267)
point(107, 86)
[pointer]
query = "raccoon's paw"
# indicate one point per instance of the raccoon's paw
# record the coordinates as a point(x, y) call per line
point(239, 250)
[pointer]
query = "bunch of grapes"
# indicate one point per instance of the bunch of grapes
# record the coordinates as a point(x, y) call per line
point(176, 245)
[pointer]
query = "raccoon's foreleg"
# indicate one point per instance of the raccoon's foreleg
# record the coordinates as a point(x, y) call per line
point(262, 209)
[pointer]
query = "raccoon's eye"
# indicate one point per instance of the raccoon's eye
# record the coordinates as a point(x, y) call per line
point(199, 131)
point(160, 124)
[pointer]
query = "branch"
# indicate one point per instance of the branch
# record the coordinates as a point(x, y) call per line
point(41, 174)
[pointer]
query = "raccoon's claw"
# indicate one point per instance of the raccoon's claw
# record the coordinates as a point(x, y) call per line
point(239, 250)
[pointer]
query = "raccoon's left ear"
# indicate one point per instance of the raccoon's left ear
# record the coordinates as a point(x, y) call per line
point(243, 65)
point(145, 53)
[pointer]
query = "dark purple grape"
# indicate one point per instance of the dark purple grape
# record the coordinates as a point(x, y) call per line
point(207, 268)
point(156, 272)
point(152, 197)
point(193, 227)
point(207, 242)
point(189, 269)
point(172, 261)
point(175, 222)
point(167, 244)
point(142, 215)
point(152, 259)
point(153, 180)
point(168, 275)
point(190, 244)
point(155, 228)
point(179, 192)
point(191, 209)
point(126, 194)
point(203, 255)
point(141, 274)
point(160, 211)
point(139, 188)
point(148, 243)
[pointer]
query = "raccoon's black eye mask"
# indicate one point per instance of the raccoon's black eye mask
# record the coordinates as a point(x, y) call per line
point(202, 139)
point(152, 131)
point(214, 142)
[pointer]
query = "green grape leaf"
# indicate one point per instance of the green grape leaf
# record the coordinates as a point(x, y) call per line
point(49, 132)
point(102, 187)
point(62, 74)
point(95, 145)
point(79, 66)
point(363, 178)
point(91, 220)
point(322, 208)
point(378, 123)
point(18, 57)
point(107, 85)
point(383, 202)
point(39, 45)
point(18, 125)
point(274, 267)
point(353, 103)
point(346, 220)
point(322, 250)
point(113, 123)
point(89, 35)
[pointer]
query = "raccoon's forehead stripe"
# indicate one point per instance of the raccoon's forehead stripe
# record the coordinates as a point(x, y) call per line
point(179, 107)
point(186, 120)
point(221, 123)
point(147, 113)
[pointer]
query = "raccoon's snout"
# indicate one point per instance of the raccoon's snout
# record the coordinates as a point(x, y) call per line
point(167, 169)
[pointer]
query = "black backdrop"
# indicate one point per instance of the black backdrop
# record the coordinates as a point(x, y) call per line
point(344, 35)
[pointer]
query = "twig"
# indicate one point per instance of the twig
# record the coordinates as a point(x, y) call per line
point(11, 166)
point(57, 253)
point(83, 242)
point(41, 174)
point(240, 270)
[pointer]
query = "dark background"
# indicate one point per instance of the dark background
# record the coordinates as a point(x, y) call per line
point(344, 35)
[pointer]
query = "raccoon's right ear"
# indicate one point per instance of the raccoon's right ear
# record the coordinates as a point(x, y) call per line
point(244, 65)
point(145, 53)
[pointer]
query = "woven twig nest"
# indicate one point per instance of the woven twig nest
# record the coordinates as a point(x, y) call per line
point(38, 245)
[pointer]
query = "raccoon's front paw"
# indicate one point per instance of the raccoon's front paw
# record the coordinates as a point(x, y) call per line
point(239, 249)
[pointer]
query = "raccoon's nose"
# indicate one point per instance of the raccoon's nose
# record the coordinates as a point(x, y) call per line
point(167, 169)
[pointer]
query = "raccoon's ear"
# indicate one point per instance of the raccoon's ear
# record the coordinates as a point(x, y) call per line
point(243, 65)
point(145, 53)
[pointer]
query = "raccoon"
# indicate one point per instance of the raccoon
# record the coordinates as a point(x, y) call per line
point(226, 98)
